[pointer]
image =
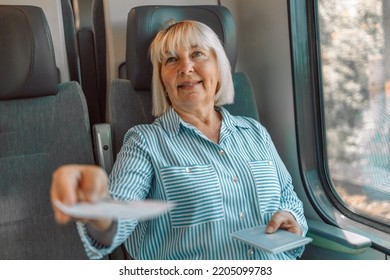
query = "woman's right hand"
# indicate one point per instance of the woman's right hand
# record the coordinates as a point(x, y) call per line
point(79, 183)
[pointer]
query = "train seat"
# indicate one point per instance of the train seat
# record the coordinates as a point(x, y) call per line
point(76, 51)
point(59, 15)
point(89, 21)
point(43, 125)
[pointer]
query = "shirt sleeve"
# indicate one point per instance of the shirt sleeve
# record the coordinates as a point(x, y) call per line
point(289, 200)
point(130, 179)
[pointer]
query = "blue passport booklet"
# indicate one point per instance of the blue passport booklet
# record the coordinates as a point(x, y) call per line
point(276, 242)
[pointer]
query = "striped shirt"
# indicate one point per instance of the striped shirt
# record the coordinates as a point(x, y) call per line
point(217, 189)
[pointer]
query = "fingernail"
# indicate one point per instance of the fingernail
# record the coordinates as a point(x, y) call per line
point(270, 229)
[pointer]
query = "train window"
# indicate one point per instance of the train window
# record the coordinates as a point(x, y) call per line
point(355, 84)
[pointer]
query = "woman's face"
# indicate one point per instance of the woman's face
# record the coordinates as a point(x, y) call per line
point(190, 77)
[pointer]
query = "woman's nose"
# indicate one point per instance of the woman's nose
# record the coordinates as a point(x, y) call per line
point(186, 66)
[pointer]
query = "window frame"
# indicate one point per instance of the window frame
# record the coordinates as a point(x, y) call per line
point(310, 128)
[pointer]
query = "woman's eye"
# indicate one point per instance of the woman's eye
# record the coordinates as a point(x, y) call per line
point(197, 54)
point(170, 59)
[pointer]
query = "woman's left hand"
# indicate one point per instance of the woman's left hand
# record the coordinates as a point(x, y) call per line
point(284, 220)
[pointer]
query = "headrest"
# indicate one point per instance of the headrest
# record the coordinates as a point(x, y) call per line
point(144, 22)
point(27, 67)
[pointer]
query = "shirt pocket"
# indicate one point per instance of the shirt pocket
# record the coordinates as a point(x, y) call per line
point(267, 185)
point(196, 193)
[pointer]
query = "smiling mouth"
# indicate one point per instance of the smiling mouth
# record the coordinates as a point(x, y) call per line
point(188, 84)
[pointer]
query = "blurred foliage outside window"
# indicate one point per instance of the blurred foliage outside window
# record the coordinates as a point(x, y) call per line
point(355, 61)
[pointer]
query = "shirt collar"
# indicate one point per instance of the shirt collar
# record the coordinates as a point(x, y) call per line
point(232, 122)
point(171, 121)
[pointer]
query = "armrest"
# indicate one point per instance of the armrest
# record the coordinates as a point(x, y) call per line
point(334, 238)
point(103, 146)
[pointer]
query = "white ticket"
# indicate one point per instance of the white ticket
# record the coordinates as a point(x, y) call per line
point(113, 209)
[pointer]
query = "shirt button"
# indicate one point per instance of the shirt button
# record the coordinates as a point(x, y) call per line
point(221, 152)
point(250, 253)
point(242, 215)
point(235, 179)
point(188, 170)
point(270, 163)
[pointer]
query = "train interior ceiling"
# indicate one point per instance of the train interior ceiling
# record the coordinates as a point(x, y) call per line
point(89, 39)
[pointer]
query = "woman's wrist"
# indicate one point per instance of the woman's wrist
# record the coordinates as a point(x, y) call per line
point(102, 231)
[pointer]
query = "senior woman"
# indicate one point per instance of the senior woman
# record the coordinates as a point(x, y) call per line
point(222, 172)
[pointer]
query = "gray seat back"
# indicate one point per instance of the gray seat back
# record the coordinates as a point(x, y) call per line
point(43, 125)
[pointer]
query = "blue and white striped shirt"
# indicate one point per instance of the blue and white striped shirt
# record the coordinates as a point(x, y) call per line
point(217, 189)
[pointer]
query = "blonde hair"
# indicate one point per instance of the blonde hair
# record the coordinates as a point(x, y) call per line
point(186, 34)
